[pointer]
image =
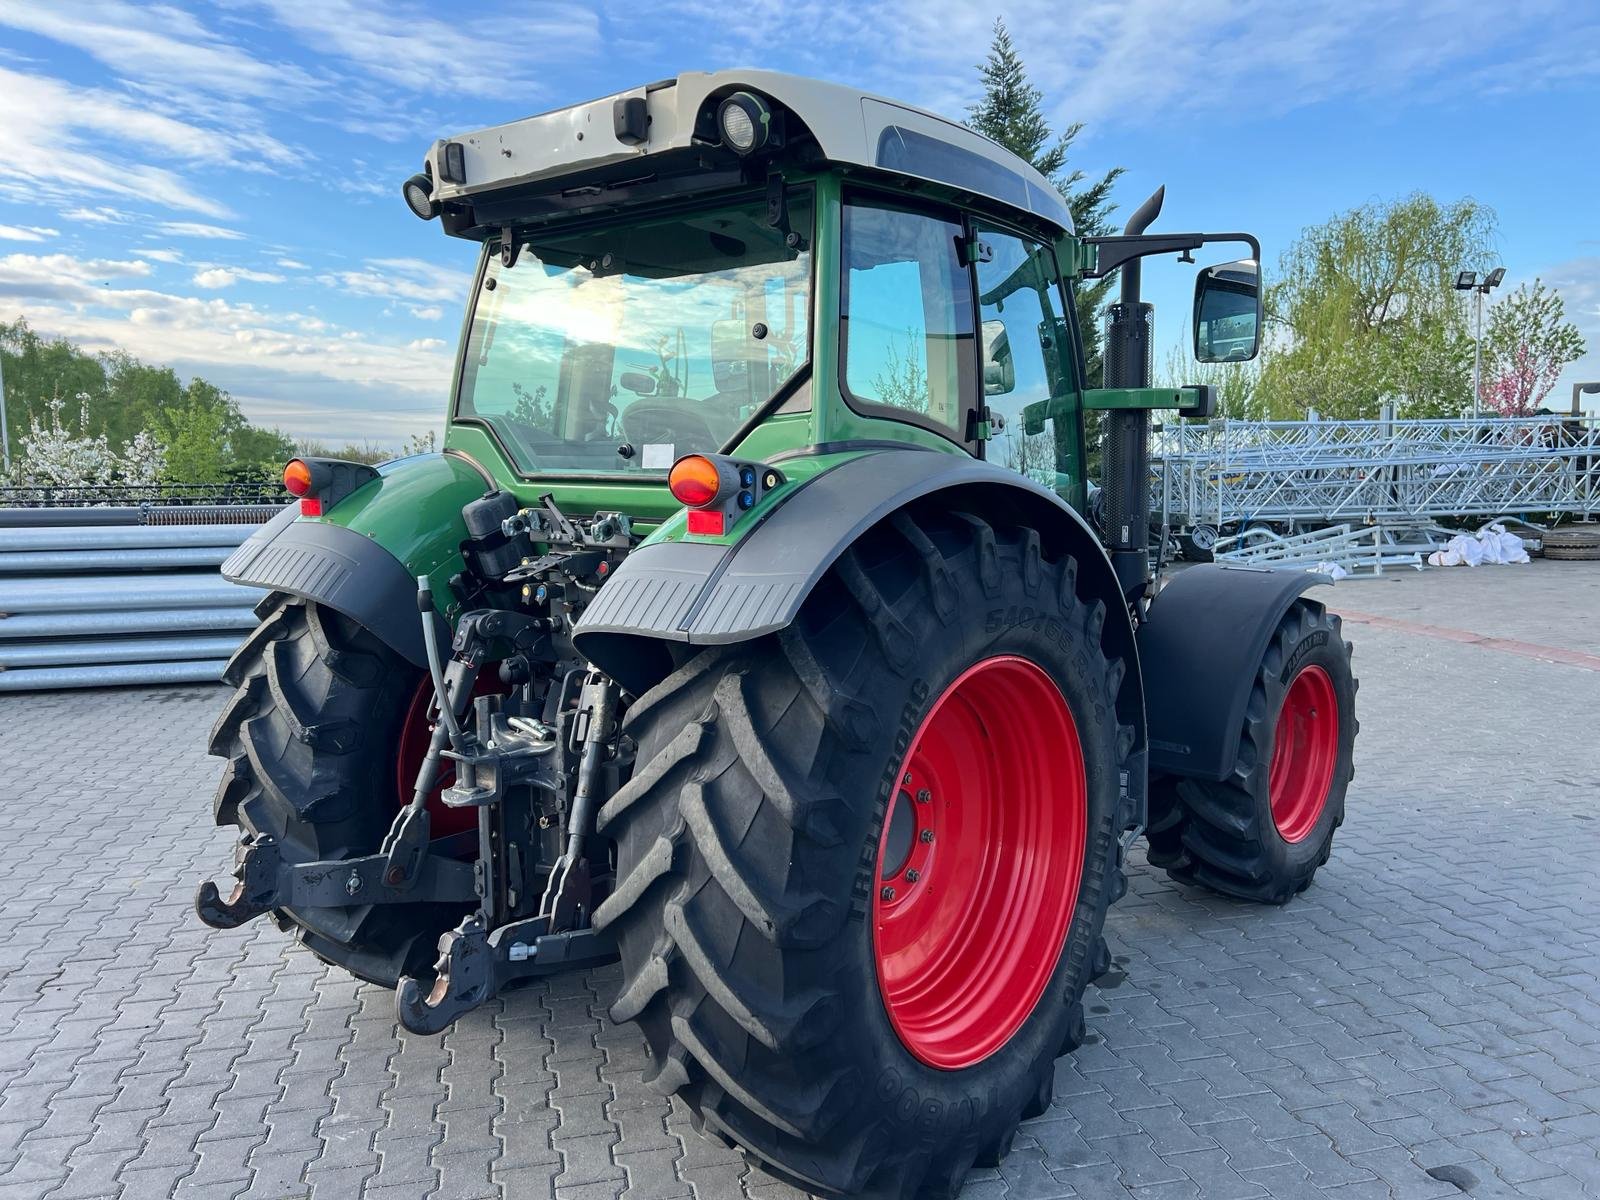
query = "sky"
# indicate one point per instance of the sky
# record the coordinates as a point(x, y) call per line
point(214, 184)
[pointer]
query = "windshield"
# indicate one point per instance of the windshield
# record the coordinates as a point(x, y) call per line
point(621, 348)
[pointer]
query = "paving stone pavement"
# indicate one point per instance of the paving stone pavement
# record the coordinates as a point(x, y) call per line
point(1423, 1023)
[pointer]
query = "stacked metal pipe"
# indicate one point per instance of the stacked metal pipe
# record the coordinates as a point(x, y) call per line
point(93, 605)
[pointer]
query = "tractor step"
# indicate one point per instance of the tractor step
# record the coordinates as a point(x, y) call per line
point(475, 963)
point(264, 881)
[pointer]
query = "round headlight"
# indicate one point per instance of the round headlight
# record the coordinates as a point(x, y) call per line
point(745, 122)
point(418, 191)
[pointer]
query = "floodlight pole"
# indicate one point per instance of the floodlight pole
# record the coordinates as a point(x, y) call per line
point(1477, 354)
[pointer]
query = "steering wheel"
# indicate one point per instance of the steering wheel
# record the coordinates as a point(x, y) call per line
point(649, 422)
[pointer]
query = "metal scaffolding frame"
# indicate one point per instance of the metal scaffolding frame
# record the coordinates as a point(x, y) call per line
point(1307, 474)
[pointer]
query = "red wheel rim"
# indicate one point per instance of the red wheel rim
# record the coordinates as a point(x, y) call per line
point(979, 862)
point(415, 735)
point(1305, 748)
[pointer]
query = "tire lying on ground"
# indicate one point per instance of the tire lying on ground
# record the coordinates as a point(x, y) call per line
point(863, 865)
point(1572, 543)
point(1262, 833)
point(318, 736)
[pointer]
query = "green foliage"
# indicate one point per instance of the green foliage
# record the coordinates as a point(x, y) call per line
point(194, 432)
point(1527, 341)
point(1363, 310)
point(362, 452)
point(1012, 114)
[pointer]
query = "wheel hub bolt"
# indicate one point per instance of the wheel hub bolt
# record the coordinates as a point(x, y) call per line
point(927, 835)
point(913, 875)
point(907, 779)
point(924, 795)
point(887, 893)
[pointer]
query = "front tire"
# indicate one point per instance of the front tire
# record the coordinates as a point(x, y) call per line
point(758, 842)
point(1262, 833)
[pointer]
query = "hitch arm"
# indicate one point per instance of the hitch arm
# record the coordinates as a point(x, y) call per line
point(265, 881)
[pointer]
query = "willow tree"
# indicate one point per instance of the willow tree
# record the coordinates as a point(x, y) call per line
point(1363, 309)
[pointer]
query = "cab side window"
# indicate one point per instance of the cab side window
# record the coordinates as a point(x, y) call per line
point(1025, 357)
point(907, 336)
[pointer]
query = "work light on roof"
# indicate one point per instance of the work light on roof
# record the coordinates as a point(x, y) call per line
point(418, 191)
point(745, 122)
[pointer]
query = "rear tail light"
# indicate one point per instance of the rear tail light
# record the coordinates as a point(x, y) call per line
point(695, 481)
point(718, 490)
point(297, 477)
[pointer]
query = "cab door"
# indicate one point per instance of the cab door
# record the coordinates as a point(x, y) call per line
point(1026, 359)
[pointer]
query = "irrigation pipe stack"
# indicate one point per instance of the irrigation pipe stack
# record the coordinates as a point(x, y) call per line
point(96, 605)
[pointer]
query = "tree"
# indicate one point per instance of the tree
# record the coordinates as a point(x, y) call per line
point(1363, 308)
point(1012, 114)
point(193, 433)
point(56, 454)
point(1528, 342)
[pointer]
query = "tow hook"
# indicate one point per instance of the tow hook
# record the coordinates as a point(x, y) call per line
point(476, 963)
point(255, 868)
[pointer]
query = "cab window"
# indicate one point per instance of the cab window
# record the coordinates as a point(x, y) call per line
point(1024, 357)
point(906, 329)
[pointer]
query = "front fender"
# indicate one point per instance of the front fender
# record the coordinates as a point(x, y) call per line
point(1201, 645)
point(363, 556)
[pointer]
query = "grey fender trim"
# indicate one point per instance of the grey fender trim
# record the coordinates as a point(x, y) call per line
point(703, 594)
point(1201, 645)
point(332, 565)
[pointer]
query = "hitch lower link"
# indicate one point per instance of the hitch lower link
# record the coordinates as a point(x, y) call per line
point(481, 955)
point(265, 881)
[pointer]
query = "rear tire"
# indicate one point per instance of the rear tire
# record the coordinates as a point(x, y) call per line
point(748, 861)
point(1243, 837)
point(310, 737)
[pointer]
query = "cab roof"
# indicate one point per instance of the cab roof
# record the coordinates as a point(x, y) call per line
point(539, 154)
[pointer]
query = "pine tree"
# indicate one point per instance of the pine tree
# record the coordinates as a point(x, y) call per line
point(1012, 114)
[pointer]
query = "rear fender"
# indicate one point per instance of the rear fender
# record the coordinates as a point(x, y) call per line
point(1201, 645)
point(363, 556)
point(671, 597)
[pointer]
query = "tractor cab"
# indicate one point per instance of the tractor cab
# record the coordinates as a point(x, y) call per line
point(668, 269)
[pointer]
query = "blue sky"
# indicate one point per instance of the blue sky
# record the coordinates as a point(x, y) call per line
point(214, 184)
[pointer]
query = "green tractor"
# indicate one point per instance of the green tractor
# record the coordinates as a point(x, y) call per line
point(755, 627)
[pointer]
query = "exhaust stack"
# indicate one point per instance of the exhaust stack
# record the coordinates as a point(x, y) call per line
point(1125, 451)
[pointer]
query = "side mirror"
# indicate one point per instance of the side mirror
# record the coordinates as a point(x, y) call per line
point(638, 383)
point(1227, 312)
point(999, 368)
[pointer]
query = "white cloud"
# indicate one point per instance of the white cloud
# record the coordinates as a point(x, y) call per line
point(412, 280)
point(157, 43)
point(405, 45)
point(427, 312)
point(59, 138)
point(425, 344)
point(27, 233)
point(96, 216)
point(292, 264)
point(198, 229)
point(166, 256)
point(222, 277)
